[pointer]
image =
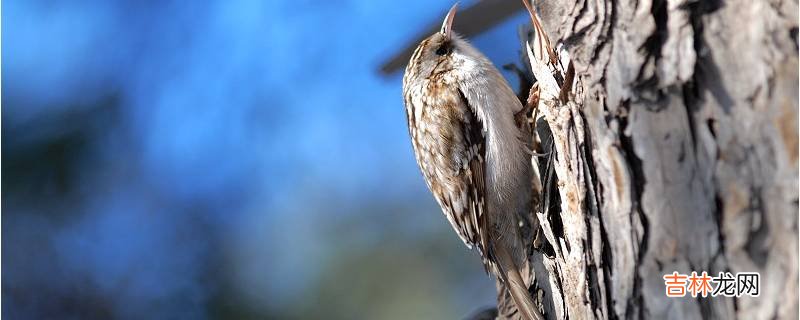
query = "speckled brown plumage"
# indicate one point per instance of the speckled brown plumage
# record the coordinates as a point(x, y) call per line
point(449, 146)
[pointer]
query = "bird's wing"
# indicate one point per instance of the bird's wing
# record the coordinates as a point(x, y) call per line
point(467, 203)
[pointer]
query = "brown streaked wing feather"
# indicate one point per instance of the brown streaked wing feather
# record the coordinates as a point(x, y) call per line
point(474, 137)
point(464, 203)
point(450, 150)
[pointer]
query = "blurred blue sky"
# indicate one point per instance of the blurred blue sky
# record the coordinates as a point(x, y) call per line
point(222, 135)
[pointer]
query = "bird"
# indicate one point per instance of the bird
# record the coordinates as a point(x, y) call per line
point(473, 157)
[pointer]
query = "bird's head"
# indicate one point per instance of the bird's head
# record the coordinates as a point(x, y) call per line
point(444, 52)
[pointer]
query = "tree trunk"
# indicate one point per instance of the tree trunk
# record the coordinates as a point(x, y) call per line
point(677, 150)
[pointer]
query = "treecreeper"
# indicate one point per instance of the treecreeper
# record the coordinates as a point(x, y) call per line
point(472, 154)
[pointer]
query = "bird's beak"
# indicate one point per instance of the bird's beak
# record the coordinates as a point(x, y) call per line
point(447, 24)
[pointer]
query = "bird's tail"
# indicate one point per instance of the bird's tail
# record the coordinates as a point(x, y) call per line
point(516, 286)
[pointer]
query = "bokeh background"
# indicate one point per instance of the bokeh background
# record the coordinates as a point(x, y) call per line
point(222, 160)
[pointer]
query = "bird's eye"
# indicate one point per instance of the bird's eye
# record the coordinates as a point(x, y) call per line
point(443, 49)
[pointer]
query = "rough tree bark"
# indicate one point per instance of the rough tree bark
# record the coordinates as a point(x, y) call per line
point(677, 151)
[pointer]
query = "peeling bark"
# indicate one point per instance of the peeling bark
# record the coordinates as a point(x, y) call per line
point(677, 151)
